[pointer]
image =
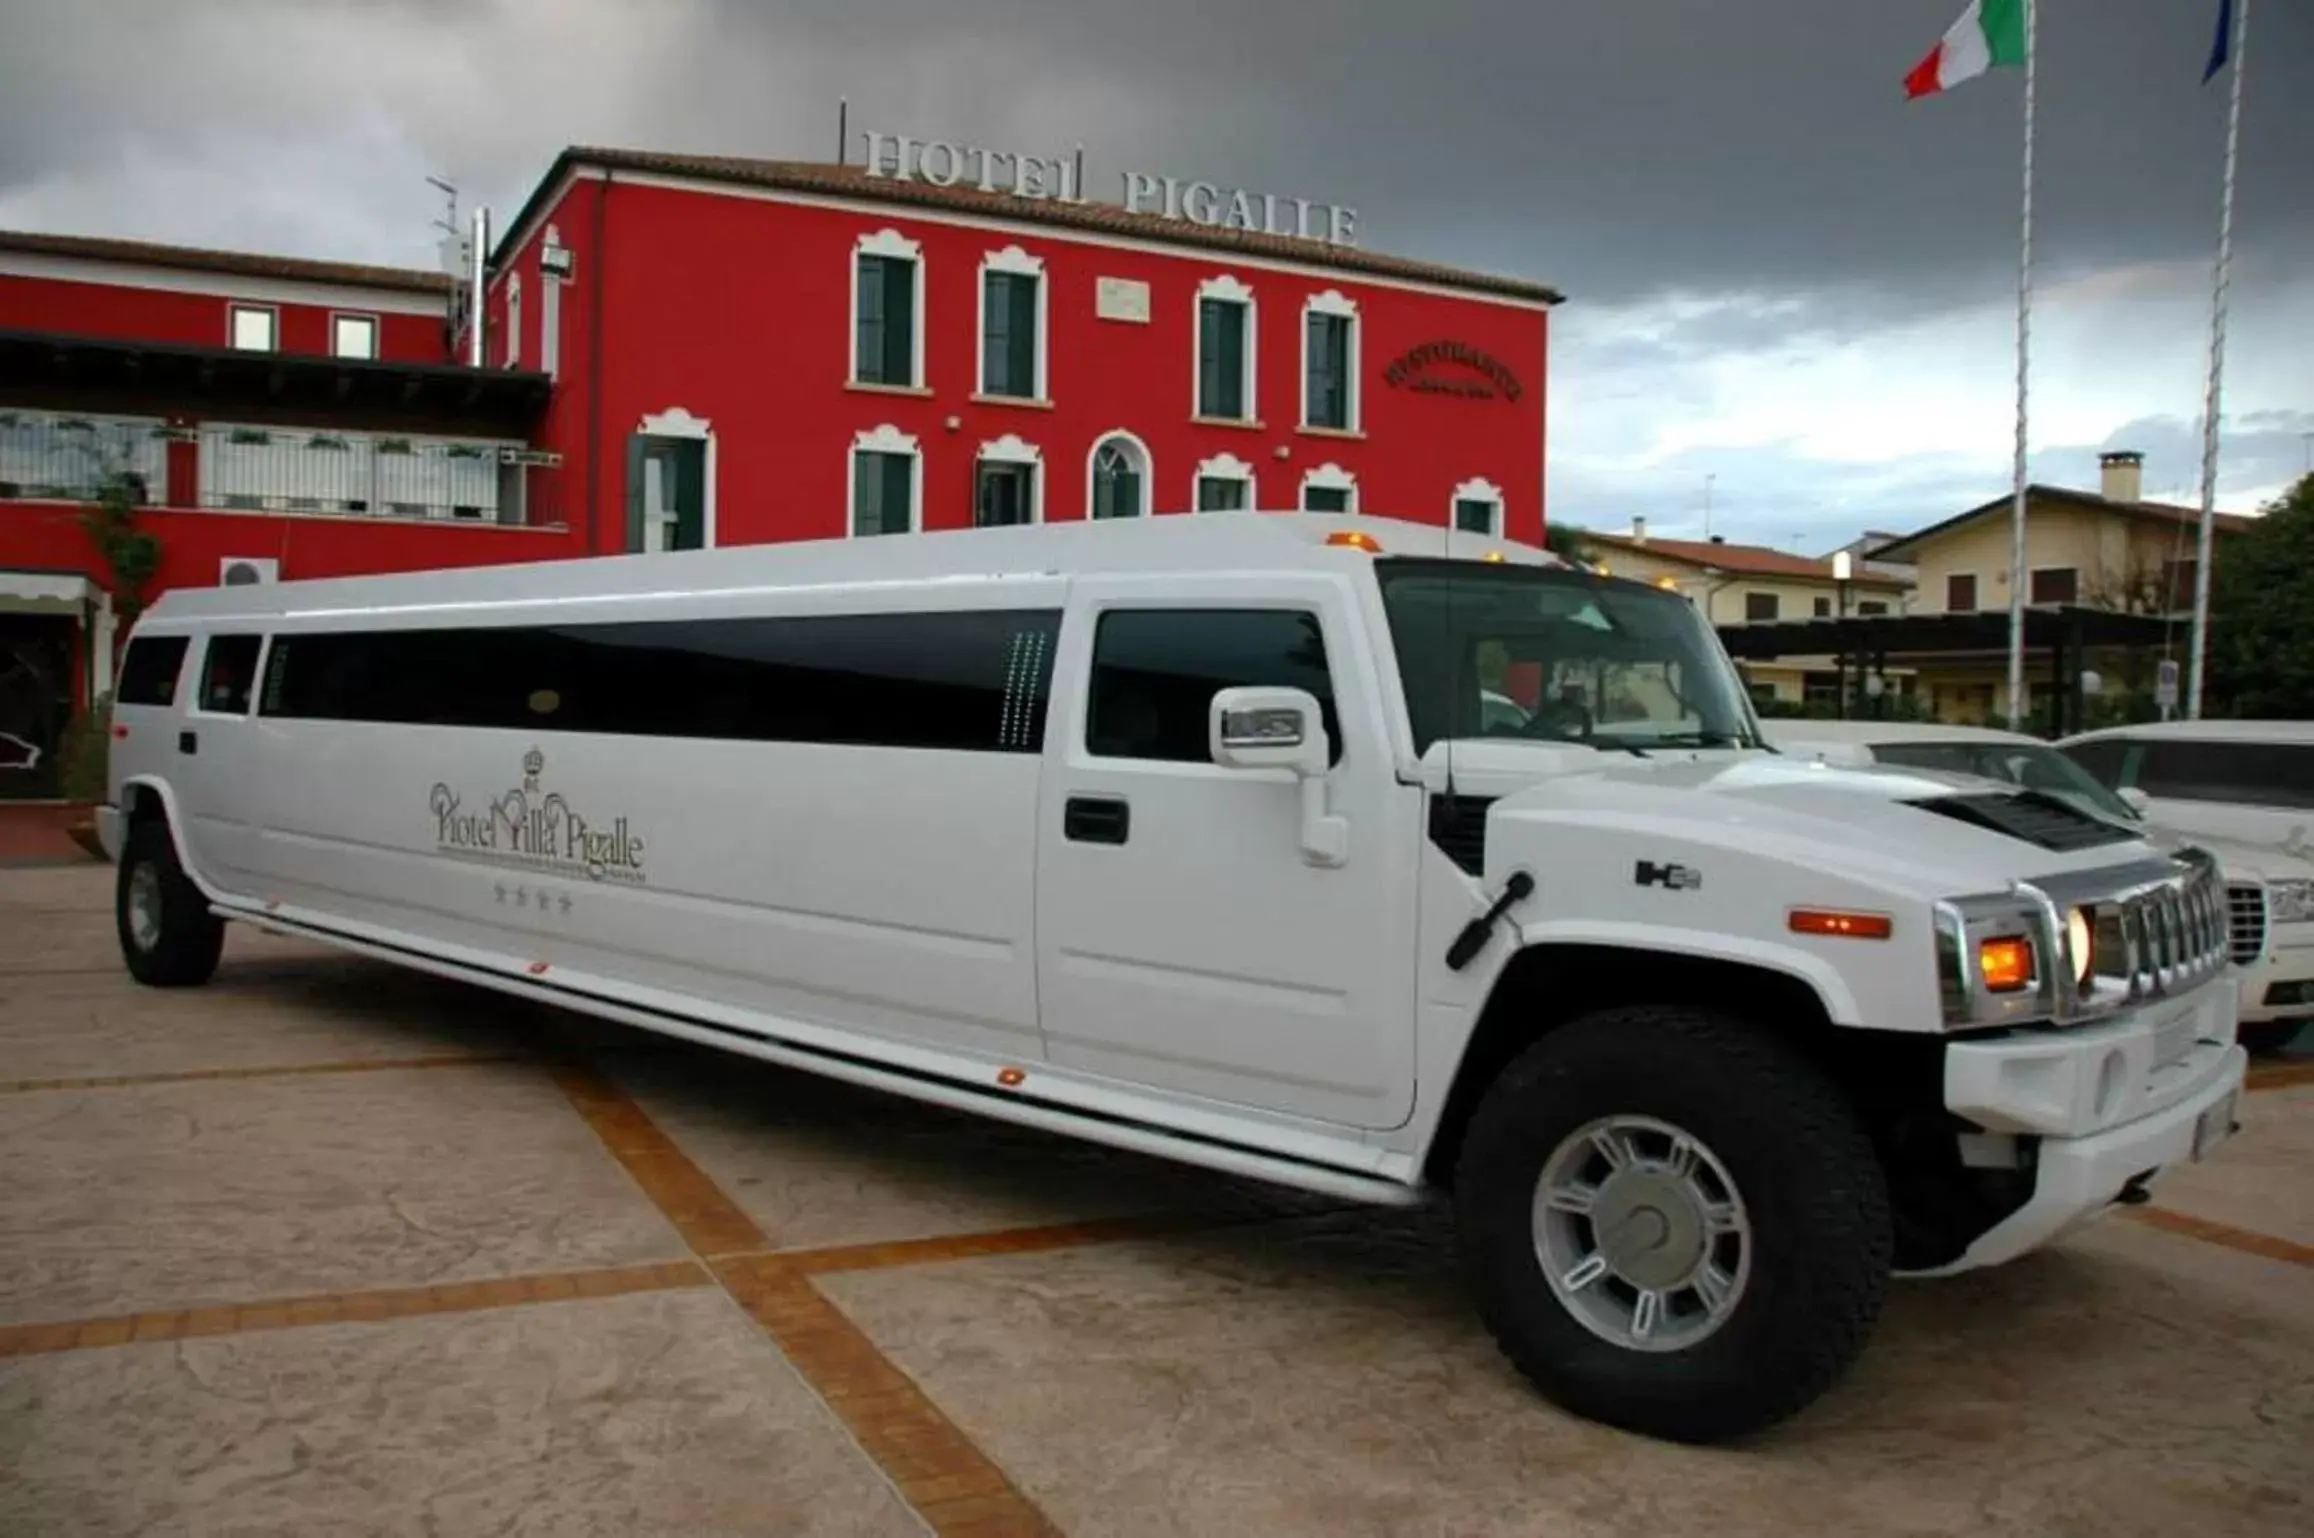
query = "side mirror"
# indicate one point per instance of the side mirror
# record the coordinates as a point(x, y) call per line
point(1269, 729)
point(2135, 798)
point(1282, 729)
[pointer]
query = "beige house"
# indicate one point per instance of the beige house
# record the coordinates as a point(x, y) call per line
point(1752, 584)
point(2108, 549)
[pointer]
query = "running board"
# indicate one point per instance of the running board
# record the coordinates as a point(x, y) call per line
point(1116, 1132)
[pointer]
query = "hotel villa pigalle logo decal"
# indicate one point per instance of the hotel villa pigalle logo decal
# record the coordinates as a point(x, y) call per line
point(531, 829)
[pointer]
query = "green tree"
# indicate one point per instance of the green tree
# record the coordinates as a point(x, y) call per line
point(131, 555)
point(2261, 657)
point(1567, 542)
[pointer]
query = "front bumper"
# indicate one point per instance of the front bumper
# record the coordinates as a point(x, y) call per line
point(2106, 1105)
point(2288, 959)
point(110, 828)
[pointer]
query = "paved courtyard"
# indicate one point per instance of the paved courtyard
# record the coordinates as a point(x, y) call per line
point(328, 1247)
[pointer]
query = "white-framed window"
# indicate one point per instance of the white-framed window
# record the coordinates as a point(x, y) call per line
point(1012, 325)
point(1476, 508)
point(1330, 362)
point(1226, 337)
point(1224, 484)
point(253, 328)
point(514, 320)
point(671, 482)
point(1007, 484)
point(553, 272)
point(1117, 477)
point(353, 336)
point(886, 482)
point(1329, 489)
point(888, 311)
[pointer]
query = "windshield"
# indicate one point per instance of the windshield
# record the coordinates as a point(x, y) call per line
point(2027, 764)
point(1550, 655)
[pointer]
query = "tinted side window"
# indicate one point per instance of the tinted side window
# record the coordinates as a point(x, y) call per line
point(2102, 758)
point(149, 674)
point(972, 680)
point(2242, 773)
point(1155, 672)
point(228, 673)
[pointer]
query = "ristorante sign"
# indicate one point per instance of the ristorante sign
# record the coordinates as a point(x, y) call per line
point(1452, 368)
point(939, 163)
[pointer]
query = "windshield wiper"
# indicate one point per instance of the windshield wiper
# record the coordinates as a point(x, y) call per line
point(1703, 739)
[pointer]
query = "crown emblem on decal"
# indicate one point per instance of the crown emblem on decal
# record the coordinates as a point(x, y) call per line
point(532, 763)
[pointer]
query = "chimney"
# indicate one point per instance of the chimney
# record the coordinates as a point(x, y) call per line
point(1638, 530)
point(1719, 539)
point(2121, 475)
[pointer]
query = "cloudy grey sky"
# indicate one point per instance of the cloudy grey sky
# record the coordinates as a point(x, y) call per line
point(1781, 274)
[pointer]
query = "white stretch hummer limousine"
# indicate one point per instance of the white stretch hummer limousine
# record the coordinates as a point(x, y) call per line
point(1355, 855)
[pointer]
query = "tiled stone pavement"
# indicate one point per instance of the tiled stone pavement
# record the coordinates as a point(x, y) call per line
point(328, 1247)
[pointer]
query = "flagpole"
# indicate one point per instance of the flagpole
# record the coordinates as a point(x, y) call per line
point(2210, 403)
point(2024, 375)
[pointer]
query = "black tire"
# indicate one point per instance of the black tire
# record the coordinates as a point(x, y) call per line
point(1821, 1238)
point(2267, 1038)
point(183, 952)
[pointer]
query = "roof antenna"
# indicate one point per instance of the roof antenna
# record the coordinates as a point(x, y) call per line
point(449, 220)
point(843, 129)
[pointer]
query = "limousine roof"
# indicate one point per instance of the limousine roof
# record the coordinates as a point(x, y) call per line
point(1202, 543)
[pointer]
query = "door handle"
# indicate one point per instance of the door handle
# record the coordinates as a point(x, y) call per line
point(1096, 820)
point(187, 742)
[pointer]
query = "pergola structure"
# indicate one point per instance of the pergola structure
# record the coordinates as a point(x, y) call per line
point(2057, 639)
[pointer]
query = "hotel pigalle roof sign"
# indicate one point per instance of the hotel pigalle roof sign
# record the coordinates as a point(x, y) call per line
point(939, 163)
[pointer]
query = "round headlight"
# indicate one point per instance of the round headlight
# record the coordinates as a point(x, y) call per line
point(2080, 942)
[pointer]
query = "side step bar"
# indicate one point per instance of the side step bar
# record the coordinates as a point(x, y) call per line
point(1116, 1132)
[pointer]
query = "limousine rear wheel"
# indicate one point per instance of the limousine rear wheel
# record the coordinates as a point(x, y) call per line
point(168, 936)
point(1673, 1223)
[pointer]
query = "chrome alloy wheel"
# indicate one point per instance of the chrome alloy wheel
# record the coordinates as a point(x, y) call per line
point(1641, 1233)
point(145, 906)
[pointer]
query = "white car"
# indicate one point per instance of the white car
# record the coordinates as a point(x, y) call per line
point(1200, 836)
point(2274, 962)
point(2245, 791)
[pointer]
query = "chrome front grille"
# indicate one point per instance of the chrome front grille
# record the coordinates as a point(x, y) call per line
point(2246, 922)
point(2162, 936)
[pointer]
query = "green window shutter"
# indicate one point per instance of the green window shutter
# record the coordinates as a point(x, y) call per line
point(1220, 494)
point(868, 344)
point(1325, 499)
point(636, 443)
point(884, 351)
point(1008, 341)
point(1220, 358)
point(1329, 370)
point(688, 484)
point(899, 476)
point(883, 487)
point(899, 322)
point(1474, 515)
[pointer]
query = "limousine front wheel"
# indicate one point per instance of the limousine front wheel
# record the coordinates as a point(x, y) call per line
point(168, 936)
point(1673, 1223)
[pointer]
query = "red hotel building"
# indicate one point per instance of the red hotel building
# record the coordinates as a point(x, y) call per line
point(686, 351)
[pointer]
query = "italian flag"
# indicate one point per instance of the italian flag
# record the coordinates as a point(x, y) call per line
point(1989, 32)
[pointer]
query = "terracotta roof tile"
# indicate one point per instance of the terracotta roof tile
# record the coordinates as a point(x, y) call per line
point(2161, 512)
point(240, 263)
point(1103, 218)
point(1746, 560)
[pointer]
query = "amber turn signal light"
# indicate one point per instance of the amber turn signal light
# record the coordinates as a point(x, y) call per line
point(2006, 963)
point(1845, 926)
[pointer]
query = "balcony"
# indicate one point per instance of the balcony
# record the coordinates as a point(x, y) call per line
point(288, 471)
point(47, 457)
